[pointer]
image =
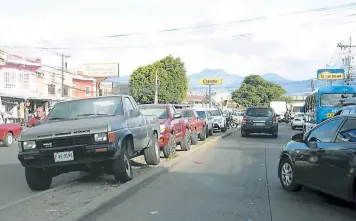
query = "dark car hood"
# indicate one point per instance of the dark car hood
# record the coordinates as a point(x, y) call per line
point(80, 126)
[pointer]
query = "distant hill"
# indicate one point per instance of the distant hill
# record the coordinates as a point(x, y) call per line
point(231, 81)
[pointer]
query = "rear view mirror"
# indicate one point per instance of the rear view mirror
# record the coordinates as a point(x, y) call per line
point(135, 113)
point(297, 137)
point(177, 116)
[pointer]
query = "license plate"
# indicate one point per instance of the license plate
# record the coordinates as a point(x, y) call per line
point(259, 124)
point(63, 156)
point(330, 114)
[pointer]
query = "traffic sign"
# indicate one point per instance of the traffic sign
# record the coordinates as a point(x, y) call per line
point(210, 81)
point(331, 74)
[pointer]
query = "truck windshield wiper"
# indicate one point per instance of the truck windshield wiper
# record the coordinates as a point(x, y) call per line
point(61, 118)
point(92, 114)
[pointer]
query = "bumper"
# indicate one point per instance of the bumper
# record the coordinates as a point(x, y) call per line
point(298, 124)
point(82, 155)
point(163, 140)
point(219, 125)
point(255, 129)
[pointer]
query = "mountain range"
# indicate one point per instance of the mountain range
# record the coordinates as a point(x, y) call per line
point(231, 81)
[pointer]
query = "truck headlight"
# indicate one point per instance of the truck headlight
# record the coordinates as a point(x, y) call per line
point(28, 145)
point(100, 137)
point(162, 128)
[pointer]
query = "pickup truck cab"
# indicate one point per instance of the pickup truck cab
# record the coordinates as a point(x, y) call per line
point(196, 125)
point(94, 134)
point(173, 128)
point(9, 132)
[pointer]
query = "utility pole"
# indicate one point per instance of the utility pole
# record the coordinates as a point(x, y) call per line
point(156, 88)
point(64, 66)
point(312, 85)
point(347, 60)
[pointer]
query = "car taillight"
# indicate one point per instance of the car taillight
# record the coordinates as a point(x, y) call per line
point(244, 118)
point(274, 118)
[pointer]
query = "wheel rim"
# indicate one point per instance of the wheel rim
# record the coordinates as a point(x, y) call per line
point(287, 174)
point(9, 139)
point(127, 165)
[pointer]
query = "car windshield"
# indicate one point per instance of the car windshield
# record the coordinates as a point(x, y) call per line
point(93, 107)
point(186, 113)
point(201, 114)
point(161, 113)
point(215, 113)
point(334, 100)
point(259, 112)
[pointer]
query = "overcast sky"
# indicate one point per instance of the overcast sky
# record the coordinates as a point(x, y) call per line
point(293, 45)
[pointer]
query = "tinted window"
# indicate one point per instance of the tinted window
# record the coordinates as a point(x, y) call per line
point(347, 132)
point(260, 112)
point(215, 112)
point(128, 105)
point(333, 100)
point(325, 132)
point(161, 113)
point(201, 114)
point(299, 116)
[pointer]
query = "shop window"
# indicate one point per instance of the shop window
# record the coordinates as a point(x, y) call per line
point(9, 80)
point(87, 90)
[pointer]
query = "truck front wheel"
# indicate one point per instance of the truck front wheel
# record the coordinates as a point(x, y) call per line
point(37, 179)
point(121, 166)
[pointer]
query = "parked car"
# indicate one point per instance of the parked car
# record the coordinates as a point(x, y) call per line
point(9, 132)
point(322, 159)
point(94, 134)
point(205, 115)
point(298, 121)
point(219, 119)
point(173, 128)
point(237, 117)
point(259, 120)
point(196, 125)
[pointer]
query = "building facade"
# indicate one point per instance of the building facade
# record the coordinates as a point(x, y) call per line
point(83, 87)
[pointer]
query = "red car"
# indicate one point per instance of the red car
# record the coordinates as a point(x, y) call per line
point(196, 125)
point(174, 129)
point(9, 132)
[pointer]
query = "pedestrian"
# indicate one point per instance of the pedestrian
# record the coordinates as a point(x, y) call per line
point(41, 116)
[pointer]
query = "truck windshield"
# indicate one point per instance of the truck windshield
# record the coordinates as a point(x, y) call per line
point(92, 107)
point(201, 114)
point(161, 113)
point(259, 112)
point(334, 100)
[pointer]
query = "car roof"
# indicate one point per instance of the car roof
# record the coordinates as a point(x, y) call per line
point(200, 109)
point(153, 105)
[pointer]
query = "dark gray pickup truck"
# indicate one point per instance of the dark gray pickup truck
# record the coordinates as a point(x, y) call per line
point(93, 135)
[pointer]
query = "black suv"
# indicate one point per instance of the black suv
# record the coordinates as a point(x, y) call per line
point(259, 120)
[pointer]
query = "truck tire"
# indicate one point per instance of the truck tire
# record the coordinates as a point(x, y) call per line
point(121, 166)
point(170, 148)
point(37, 179)
point(194, 137)
point(202, 135)
point(207, 132)
point(152, 153)
point(224, 129)
point(211, 131)
point(9, 139)
point(186, 143)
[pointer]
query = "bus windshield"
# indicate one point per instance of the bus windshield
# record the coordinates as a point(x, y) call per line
point(334, 100)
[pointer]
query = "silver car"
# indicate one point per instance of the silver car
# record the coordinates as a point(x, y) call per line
point(205, 115)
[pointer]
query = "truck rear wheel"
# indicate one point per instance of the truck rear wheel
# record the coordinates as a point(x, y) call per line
point(170, 148)
point(152, 153)
point(37, 179)
point(186, 143)
point(121, 166)
point(202, 135)
point(194, 137)
point(9, 139)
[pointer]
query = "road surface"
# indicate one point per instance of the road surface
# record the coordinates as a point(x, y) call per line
point(235, 180)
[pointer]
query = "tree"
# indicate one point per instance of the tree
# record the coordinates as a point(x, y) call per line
point(256, 91)
point(173, 81)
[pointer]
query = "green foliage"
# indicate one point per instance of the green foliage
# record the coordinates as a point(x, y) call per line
point(255, 91)
point(173, 81)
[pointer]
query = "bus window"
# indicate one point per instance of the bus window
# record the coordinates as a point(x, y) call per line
point(333, 100)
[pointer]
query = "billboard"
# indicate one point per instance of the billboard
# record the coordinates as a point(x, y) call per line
point(101, 70)
point(331, 74)
point(210, 81)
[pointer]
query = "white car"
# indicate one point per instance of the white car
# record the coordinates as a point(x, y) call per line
point(209, 120)
point(298, 121)
point(219, 119)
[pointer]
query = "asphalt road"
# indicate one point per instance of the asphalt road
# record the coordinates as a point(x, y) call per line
point(13, 185)
point(235, 180)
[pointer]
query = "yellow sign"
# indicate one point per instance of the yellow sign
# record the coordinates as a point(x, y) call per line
point(330, 114)
point(211, 81)
point(330, 76)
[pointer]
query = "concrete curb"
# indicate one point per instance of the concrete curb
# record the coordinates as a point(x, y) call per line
point(102, 204)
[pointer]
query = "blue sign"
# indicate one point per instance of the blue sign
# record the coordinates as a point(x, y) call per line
point(331, 74)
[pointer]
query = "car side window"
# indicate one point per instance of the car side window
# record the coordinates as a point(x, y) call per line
point(128, 105)
point(325, 132)
point(347, 132)
point(173, 111)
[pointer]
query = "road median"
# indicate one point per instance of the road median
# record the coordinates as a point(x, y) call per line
point(81, 199)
